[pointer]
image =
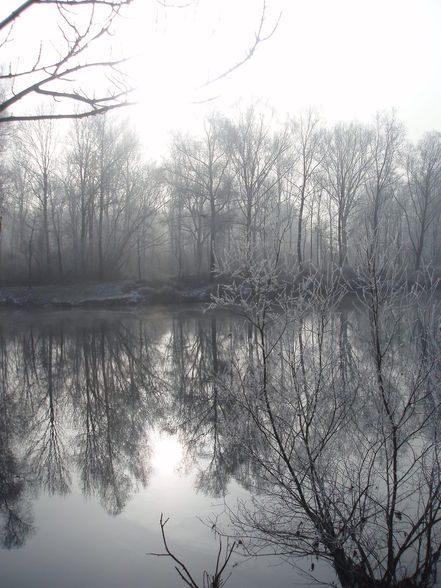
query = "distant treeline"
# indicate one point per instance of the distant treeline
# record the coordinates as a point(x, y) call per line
point(87, 206)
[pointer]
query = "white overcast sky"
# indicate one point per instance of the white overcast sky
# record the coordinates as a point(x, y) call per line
point(347, 58)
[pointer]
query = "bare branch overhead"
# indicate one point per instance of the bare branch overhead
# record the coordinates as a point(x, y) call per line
point(62, 71)
point(73, 63)
point(260, 36)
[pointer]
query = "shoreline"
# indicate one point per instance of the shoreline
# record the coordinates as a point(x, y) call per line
point(102, 295)
point(139, 293)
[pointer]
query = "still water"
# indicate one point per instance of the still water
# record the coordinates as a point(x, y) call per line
point(111, 418)
point(107, 422)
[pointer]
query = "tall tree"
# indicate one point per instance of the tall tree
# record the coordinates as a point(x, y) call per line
point(255, 152)
point(345, 167)
point(38, 142)
point(423, 204)
point(203, 180)
point(385, 149)
point(309, 138)
point(81, 188)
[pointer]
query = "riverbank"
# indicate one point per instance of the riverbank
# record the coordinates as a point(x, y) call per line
point(195, 289)
point(103, 294)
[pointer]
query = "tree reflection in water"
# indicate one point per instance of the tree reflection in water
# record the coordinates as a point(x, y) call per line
point(82, 397)
point(202, 411)
point(329, 416)
point(115, 402)
point(345, 429)
point(16, 518)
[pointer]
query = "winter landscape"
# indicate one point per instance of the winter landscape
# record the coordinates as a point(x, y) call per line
point(220, 264)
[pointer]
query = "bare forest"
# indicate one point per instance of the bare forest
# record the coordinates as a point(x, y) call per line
point(86, 205)
point(308, 381)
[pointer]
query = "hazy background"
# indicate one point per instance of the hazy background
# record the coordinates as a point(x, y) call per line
point(347, 58)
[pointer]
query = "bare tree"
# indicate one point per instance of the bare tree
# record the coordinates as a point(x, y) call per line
point(202, 179)
point(347, 469)
point(38, 144)
point(385, 149)
point(60, 73)
point(216, 580)
point(256, 152)
point(309, 147)
point(80, 183)
point(63, 65)
point(345, 168)
point(423, 204)
point(113, 196)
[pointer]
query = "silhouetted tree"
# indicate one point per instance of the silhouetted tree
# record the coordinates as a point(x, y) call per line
point(58, 65)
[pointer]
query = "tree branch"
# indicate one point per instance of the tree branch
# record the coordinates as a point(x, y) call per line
point(258, 39)
point(77, 41)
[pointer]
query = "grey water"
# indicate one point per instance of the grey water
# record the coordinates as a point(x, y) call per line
point(110, 418)
point(105, 425)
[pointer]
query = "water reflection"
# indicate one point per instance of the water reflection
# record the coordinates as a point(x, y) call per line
point(80, 397)
point(345, 410)
point(16, 516)
point(86, 397)
point(202, 410)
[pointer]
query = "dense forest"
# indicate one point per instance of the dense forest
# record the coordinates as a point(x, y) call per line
point(82, 203)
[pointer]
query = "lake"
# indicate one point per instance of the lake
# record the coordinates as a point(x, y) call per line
point(110, 418)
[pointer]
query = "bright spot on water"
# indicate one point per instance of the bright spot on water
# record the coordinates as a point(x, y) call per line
point(167, 453)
